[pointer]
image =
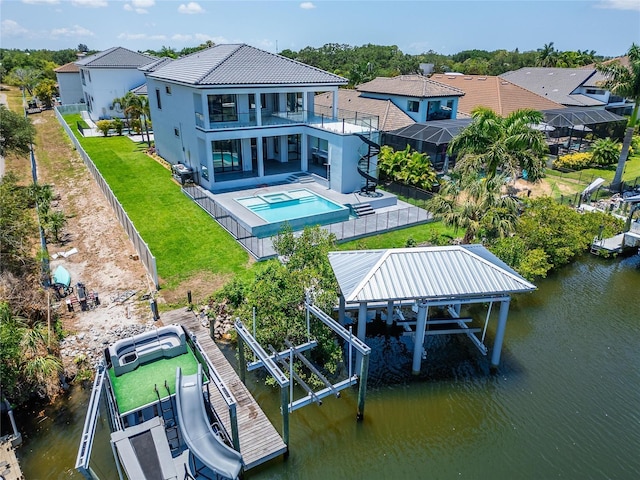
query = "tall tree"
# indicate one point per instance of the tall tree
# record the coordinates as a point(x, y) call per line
point(624, 82)
point(476, 205)
point(16, 132)
point(493, 144)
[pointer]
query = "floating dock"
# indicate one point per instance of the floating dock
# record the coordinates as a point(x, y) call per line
point(9, 466)
point(259, 440)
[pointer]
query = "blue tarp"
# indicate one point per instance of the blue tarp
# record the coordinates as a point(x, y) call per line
point(62, 276)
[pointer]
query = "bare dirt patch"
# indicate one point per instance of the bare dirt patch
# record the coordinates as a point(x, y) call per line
point(105, 260)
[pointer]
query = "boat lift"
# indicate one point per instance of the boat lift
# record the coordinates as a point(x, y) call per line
point(286, 359)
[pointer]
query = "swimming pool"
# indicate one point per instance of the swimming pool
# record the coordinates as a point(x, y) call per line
point(298, 208)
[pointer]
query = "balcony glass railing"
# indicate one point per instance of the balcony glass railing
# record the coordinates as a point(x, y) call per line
point(344, 122)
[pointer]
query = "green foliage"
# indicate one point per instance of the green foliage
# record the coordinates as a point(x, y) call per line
point(27, 360)
point(45, 91)
point(606, 151)
point(16, 132)
point(494, 144)
point(17, 227)
point(117, 125)
point(476, 205)
point(53, 222)
point(549, 235)
point(406, 166)
point(573, 161)
point(104, 126)
point(278, 292)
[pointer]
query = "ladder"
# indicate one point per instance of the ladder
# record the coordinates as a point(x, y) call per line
point(168, 414)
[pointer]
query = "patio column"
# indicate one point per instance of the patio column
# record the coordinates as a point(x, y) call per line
point(502, 325)
point(258, 110)
point(341, 309)
point(260, 156)
point(362, 330)
point(390, 312)
point(304, 154)
point(334, 105)
point(421, 326)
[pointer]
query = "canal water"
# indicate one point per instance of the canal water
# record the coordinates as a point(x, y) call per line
point(565, 402)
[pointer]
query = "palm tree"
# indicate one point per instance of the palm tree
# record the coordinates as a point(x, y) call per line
point(624, 82)
point(492, 143)
point(547, 56)
point(477, 205)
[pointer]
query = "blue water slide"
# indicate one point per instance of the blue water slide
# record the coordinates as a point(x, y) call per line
point(202, 441)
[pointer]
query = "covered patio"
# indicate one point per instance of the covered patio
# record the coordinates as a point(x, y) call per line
point(435, 282)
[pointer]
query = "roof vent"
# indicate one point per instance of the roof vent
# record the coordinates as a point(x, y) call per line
point(550, 73)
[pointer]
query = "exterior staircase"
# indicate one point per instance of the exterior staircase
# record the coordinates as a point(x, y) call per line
point(363, 209)
point(366, 168)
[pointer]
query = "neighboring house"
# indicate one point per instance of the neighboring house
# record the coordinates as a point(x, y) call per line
point(419, 97)
point(498, 94)
point(239, 116)
point(108, 75)
point(389, 114)
point(572, 87)
point(69, 84)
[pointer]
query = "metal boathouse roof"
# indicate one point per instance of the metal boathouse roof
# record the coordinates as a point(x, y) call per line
point(426, 273)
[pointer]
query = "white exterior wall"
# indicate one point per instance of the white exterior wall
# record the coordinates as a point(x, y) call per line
point(193, 146)
point(107, 84)
point(402, 103)
point(70, 88)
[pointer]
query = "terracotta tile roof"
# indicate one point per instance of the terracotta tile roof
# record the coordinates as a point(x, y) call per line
point(389, 115)
point(500, 95)
point(70, 67)
point(242, 64)
point(417, 86)
point(116, 57)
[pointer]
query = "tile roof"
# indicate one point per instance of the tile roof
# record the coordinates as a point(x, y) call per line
point(70, 67)
point(426, 273)
point(390, 116)
point(417, 86)
point(241, 64)
point(502, 96)
point(116, 57)
point(556, 84)
point(153, 66)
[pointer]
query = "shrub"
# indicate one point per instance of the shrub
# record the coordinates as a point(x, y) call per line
point(117, 125)
point(606, 151)
point(573, 161)
point(104, 126)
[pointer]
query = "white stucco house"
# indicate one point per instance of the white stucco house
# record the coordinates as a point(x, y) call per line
point(110, 74)
point(239, 116)
point(69, 84)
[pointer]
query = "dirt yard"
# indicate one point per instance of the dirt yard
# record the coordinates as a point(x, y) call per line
point(105, 262)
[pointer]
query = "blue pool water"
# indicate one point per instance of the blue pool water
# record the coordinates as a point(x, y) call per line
point(298, 208)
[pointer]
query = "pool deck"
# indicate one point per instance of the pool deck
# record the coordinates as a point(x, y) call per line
point(251, 220)
point(259, 440)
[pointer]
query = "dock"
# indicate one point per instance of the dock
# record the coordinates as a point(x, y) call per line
point(259, 440)
point(9, 466)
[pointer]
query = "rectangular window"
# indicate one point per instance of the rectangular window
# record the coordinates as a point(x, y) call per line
point(167, 88)
point(222, 108)
point(294, 102)
point(227, 156)
point(413, 106)
point(158, 101)
point(450, 104)
point(82, 75)
point(252, 100)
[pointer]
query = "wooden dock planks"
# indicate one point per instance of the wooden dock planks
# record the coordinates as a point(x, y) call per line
point(259, 440)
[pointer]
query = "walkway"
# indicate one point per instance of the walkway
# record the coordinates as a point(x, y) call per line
point(259, 440)
point(9, 466)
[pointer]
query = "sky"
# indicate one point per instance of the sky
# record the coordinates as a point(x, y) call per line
point(607, 26)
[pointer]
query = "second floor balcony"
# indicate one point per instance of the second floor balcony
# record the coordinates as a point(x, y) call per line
point(344, 122)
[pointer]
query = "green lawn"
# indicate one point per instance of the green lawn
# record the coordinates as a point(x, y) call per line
point(398, 238)
point(586, 176)
point(184, 239)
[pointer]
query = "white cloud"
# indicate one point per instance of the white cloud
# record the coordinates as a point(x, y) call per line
point(203, 37)
point(11, 28)
point(90, 3)
point(132, 8)
point(190, 8)
point(140, 36)
point(178, 37)
point(75, 31)
point(307, 5)
point(620, 4)
point(143, 3)
point(41, 2)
